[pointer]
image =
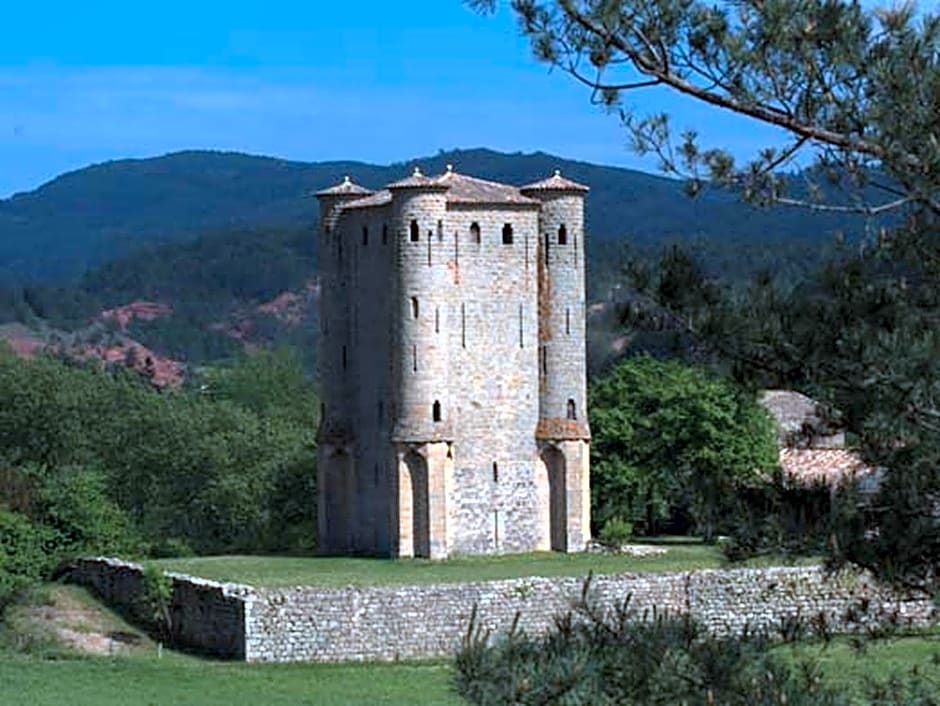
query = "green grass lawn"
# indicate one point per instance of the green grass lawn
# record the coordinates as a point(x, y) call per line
point(183, 681)
point(849, 670)
point(682, 554)
point(342, 571)
point(179, 680)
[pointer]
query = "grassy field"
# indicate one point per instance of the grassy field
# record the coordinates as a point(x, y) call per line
point(183, 681)
point(343, 571)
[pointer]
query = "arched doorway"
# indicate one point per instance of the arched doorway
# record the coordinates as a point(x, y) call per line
point(339, 495)
point(553, 511)
point(415, 502)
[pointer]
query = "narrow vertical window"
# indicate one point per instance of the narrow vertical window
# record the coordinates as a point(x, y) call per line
point(414, 359)
point(365, 235)
point(437, 320)
point(344, 357)
point(440, 231)
point(544, 360)
point(547, 248)
point(572, 410)
point(415, 231)
point(456, 247)
point(475, 232)
point(521, 328)
point(463, 325)
point(562, 235)
point(384, 233)
point(568, 321)
point(429, 248)
point(507, 234)
point(414, 307)
point(380, 411)
point(525, 240)
point(436, 411)
point(495, 472)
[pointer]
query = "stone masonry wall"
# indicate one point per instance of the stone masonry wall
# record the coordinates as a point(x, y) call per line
point(206, 615)
point(415, 622)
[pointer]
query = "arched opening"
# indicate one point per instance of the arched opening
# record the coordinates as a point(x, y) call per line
point(475, 232)
point(562, 235)
point(414, 307)
point(436, 411)
point(551, 491)
point(507, 234)
point(572, 409)
point(339, 496)
point(414, 231)
point(415, 535)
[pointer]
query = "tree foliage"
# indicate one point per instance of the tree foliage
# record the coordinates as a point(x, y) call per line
point(858, 88)
point(669, 438)
point(105, 464)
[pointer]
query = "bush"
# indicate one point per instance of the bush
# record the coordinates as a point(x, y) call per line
point(26, 555)
point(616, 533)
point(600, 657)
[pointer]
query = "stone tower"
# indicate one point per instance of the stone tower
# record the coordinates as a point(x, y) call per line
point(453, 368)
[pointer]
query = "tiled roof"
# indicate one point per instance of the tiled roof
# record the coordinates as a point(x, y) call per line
point(344, 188)
point(461, 189)
point(467, 189)
point(827, 466)
point(379, 198)
point(556, 182)
point(417, 181)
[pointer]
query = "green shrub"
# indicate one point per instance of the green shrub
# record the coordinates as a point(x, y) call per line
point(75, 504)
point(616, 533)
point(155, 600)
point(599, 657)
point(26, 555)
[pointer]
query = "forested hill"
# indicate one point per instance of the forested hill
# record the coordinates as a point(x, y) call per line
point(89, 217)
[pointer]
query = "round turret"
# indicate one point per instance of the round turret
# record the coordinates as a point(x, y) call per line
point(562, 333)
point(418, 211)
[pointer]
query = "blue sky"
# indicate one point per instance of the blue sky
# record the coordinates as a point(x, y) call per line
point(315, 80)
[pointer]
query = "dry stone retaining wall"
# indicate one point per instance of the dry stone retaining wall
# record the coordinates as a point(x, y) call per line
point(321, 624)
point(206, 615)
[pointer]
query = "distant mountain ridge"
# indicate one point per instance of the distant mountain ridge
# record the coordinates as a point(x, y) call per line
point(89, 217)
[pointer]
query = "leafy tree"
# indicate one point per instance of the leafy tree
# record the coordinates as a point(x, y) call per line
point(667, 436)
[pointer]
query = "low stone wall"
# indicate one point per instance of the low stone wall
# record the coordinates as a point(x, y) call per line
point(319, 624)
point(206, 615)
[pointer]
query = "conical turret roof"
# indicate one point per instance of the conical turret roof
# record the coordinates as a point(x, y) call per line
point(556, 182)
point(418, 181)
point(347, 187)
